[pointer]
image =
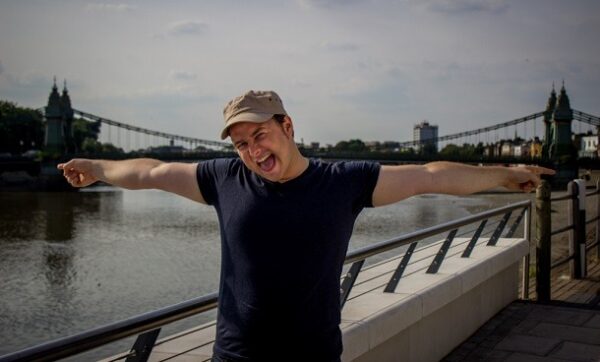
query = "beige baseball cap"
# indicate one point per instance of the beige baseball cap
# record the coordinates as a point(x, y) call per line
point(252, 106)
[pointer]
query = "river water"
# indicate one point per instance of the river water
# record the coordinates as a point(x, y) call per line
point(74, 261)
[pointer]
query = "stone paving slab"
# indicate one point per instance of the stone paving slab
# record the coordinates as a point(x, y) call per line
point(526, 331)
point(528, 344)
point(567, 333)
point(594, 322)
point(560, 315)
point(520, 357)
point(578, 352)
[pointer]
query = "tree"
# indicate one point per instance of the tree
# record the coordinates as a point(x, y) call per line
point(450, 150)
point(428, 149)
point(354, 145)
point(21, 129)
point(84, 130)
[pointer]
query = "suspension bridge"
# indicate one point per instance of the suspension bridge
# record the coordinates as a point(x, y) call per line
point(549, 130)
point(556, 136)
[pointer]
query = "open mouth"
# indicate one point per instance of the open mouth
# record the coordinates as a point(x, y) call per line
point(266, 164)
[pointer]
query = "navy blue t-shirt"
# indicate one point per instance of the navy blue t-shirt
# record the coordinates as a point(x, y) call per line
point(283, 246)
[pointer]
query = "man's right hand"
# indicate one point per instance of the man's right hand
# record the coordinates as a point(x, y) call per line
point(79, 172)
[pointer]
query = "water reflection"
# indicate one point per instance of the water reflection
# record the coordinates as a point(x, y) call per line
point(43, 216)
point(425, 212)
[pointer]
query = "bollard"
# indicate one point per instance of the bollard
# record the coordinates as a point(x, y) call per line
point(577, 264)
point(543, 242)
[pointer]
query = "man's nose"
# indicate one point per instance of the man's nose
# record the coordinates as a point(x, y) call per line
point(254, 149)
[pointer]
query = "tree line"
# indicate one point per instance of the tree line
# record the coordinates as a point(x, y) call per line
point(22, 129)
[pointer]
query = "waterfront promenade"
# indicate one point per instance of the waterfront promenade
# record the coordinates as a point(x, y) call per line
point(566, 329)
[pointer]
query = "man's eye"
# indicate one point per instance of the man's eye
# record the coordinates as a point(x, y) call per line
point(260, 136)
point(242, 146)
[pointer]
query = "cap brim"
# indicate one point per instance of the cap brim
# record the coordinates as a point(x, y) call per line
point(245, 117)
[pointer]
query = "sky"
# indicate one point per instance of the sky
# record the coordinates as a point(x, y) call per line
point(368, 69)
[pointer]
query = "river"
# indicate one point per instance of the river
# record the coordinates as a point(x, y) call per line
point(73, 261)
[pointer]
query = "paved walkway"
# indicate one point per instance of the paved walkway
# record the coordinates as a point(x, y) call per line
point(565, 330)
point(526, 331)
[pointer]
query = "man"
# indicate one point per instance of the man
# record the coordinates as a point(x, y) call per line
point(285, 224)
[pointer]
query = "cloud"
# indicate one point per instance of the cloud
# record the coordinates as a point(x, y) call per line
point(339, 47)
point(328, 4)
point(467, 6)
point(31, 88)
point(187, 27)
point(117, 8)
point(182, 75)
point(1, 67)
point(298, 83)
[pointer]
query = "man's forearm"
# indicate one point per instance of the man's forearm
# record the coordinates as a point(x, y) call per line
point(460, 179)
point(130, 174)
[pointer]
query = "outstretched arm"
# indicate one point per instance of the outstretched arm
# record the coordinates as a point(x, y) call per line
point(135, 174)
point(396, 183)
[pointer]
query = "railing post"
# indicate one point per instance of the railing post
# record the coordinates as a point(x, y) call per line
point(598, 219)
point(140, 352)
point(349, 280)
point(574, 267)
point(543, 242)
point(581, 235)
point(577, 234)
point(526, 258)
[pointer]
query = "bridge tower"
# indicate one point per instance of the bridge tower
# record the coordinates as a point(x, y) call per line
point(562, 151)
point(59, 121)
point(561, 146)
point(548, 123)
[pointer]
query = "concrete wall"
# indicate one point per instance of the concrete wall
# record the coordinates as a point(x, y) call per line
point(430, 314)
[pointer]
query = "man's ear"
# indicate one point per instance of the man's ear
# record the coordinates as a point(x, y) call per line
point(288, 126)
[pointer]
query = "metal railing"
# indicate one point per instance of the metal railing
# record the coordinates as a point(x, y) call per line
point(149, 324)
point(576, 198)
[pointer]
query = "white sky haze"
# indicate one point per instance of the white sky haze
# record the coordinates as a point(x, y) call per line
point(367, 69)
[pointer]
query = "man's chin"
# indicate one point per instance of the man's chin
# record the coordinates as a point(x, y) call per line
point(271, 178)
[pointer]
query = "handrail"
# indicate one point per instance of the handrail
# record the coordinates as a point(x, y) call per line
point(577, 225)
point(383, 246)
point(592, 193)
point(78, 343)
point(561, 198)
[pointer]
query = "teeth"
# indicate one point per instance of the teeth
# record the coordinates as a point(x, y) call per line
point(263, 159)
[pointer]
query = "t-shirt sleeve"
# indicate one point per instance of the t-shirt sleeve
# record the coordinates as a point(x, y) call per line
point(365, 175)
point(210, 175)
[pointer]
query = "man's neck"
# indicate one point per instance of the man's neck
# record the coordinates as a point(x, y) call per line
point(298, 165)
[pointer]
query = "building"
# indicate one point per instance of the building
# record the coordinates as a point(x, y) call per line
point(588, 146)
point(425, 137)
point(536, 148)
